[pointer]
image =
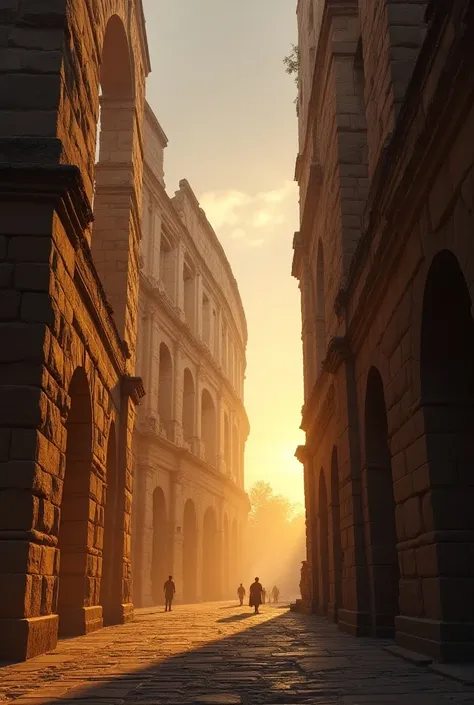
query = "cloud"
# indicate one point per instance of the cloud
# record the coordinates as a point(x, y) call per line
point(236, 215)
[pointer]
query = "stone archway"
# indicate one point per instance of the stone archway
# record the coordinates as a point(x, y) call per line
point(447, 388)
point(323, 543)
point(159, 557)
point(111, 579)
point(114, 172)
point(75, 591)
point(379, 511)
point(235, 557)
point(211, 581)
point(190, 550)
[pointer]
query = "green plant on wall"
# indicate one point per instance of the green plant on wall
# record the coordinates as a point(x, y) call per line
point(292, 67)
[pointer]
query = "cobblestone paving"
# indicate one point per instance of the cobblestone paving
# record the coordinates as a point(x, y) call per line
point(219, 654)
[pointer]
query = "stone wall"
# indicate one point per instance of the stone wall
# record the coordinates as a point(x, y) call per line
point(388, 407)
point(66, 390)
point(190, 508)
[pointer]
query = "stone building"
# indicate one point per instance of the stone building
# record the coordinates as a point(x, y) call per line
point(385, 261)
point(69, 256)
point(190, 507)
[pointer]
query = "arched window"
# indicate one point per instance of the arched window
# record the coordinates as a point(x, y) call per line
point(206, 320)
point(165, 390)
point(208, 428)
point(167, 265)
point(189, 403)
point(189, 281)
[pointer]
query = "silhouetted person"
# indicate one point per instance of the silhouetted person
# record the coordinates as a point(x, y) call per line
point(256, 591)
point(275, 594)
point(241, 593)
point(264, 595)
point(169, 590)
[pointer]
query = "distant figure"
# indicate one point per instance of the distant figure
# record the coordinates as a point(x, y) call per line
point(275, 594)
point(264, 595)
point(241, 593)
point(256, 591)
point(169, 590)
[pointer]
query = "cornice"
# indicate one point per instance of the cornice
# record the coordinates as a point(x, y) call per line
point(174, 222)
point(181, 453)
point(132, 387)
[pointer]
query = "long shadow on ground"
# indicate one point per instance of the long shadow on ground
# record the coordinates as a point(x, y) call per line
point(287, 659)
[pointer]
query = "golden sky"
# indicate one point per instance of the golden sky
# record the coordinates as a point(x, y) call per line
point(220, 92)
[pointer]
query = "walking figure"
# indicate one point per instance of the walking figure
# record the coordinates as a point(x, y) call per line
point(169, 589)
point(256, 591)
point(264, 595)
point(275, 594)
point(241, 593)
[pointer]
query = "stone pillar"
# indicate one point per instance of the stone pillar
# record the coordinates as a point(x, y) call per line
point(354, 615)
point(199, 305)
point(180, 279)
point(156, 242)
point(178, 395)
point(220, 455)
point(116, 233)
point(176, 531)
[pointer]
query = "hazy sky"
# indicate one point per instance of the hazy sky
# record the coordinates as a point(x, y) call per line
point(219, 89)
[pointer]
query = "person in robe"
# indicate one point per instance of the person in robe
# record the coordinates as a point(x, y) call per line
point(264, 595)
point(241, 593)
point(169, 589)
point(275, 594)
point(256, 591)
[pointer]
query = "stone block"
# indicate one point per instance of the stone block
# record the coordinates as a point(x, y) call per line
point(412, 517)
point(37, 308)
point(20, 406)
point(18, 509)
point(10, 302)
point(31, 276)
point(6, 275)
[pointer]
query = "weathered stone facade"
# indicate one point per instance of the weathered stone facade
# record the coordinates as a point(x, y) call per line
point(69, 253)
point(190, 507)
point(385, 260)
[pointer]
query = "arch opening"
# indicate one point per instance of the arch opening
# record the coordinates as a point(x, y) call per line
point(168, 265)
point(190, 546)
point(208, 428)
point(211, 583)
point(335, 533)
point(235, 565)
point(114, 167)
point(189, 404)
point(189, 282)
point(165, 391)
point(379, 511)
point(75, 593)
point(323, 543)
point(159, 557)
point(447, 389)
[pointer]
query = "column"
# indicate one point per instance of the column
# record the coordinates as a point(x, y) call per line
point(151, 369)
point(180, 279)
point(220, 436)
point(178, 395)
point(199, 305)
point(155, 244)
point(176, 536)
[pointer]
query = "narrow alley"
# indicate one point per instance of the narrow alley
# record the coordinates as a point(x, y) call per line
point(219, 654)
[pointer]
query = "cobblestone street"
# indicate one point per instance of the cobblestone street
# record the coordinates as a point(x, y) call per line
point(223, 655)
